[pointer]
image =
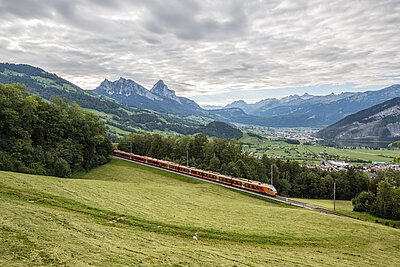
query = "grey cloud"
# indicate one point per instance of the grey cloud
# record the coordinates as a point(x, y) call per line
point(202, 46)
point(188, 20)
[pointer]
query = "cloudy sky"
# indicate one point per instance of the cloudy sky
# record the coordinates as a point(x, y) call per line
point(211, 51)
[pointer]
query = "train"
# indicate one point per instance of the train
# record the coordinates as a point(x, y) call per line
point(246, 184)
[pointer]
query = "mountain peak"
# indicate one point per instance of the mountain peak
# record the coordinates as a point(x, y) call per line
point(160, 82)
point(124, 87)
point(240, 102)
point(161, 89)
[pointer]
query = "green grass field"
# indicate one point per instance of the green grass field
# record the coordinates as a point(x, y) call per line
point(125, 214)
point(345, 207)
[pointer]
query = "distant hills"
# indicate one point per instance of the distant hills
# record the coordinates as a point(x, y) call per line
point(307, 109)
point(379, 122)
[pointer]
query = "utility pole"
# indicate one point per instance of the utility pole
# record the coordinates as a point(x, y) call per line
point(130, 144)
point(272, 174)
point(334, 196)
point(187, 157)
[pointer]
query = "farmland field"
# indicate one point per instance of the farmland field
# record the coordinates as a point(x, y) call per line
point(304, 153)
point(122, 213)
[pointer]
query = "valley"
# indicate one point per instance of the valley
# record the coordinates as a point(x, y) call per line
point(310, 155)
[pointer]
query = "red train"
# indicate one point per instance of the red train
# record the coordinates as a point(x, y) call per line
point(220, 178)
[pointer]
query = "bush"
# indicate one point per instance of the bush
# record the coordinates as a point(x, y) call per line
point(363, 202)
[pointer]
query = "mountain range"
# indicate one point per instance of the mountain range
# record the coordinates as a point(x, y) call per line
point(127, 106)
point(159, 98)
point(119, 116)
point(316, 110)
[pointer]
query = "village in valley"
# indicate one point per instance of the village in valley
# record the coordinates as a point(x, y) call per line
point(300, 144)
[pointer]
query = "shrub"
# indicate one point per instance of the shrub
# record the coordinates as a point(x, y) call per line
point(364, 201)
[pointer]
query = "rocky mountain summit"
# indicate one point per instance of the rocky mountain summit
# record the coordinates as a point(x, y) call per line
point(162, 90)
point(159, 98)
point(125, 88)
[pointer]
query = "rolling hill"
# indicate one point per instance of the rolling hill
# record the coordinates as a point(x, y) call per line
point(118, 214)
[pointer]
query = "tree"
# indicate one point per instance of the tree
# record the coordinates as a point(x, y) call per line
point(364, 201)
point(62, 168)
point(214, 164)
point(385, 200)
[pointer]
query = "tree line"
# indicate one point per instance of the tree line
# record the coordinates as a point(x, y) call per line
point(227, 157)
point(48, 138)
point(383, 196)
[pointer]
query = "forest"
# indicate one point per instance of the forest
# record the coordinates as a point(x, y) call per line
point(49, 138)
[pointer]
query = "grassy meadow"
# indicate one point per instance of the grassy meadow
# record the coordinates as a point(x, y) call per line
point(345, 207)
point(122, 213)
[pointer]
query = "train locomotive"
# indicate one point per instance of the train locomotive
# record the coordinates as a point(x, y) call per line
point(250, 185)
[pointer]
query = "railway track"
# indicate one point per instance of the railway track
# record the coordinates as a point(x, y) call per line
point(280, 199)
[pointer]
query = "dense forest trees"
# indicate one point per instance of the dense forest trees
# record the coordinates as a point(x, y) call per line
point(383, 196)
point(227, 157)
point(56, 138)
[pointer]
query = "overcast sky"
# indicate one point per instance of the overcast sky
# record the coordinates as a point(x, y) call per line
point(211, 51)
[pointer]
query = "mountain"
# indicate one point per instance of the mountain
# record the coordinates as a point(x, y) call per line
point(325, 110)
point(237, 115)
point(159, 98)
point(119, 118)
point(379, 122)
point(161, 89)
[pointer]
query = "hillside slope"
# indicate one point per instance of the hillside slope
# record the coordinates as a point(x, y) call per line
point(116, 115)
point(119, 214)
point(220, 129)
point(380, 122)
